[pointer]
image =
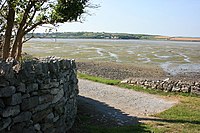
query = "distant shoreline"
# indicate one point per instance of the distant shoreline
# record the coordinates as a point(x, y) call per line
point(173, 39)
point(113, 36)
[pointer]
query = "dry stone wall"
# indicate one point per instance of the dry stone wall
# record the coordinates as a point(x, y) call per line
point(167, 85)
point(38, 96)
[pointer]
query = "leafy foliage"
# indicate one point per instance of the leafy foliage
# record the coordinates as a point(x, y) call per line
point(24, 16)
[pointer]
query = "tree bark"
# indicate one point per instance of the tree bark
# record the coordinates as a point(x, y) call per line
point(8, 33)
point(20, 32)
point(19, 50)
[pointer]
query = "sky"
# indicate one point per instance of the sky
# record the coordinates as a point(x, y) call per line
point(156, 17)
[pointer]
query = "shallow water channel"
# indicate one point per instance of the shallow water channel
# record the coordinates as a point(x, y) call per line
point(173, 56)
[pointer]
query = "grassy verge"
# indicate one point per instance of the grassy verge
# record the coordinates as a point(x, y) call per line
point(99, 79)
point(182, 118)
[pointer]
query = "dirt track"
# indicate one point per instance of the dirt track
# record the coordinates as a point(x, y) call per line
point(121, 106)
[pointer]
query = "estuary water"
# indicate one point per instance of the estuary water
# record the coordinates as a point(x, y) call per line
point(173, 56)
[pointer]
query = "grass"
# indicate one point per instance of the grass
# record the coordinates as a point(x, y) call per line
point(98, 79)
point(182, 118)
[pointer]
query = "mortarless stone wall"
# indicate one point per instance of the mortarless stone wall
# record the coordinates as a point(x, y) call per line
point(38, 95)
point(167, 85)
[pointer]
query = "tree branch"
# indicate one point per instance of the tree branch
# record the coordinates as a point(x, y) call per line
point(2, 5)
point(34, 26)
point(28, 38)
point(1, 13)
point(33, 15)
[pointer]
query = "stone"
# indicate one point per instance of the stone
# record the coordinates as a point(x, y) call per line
point(29, 103)
point(47, 81)
point(37, 100)
point(75, 87)
point(54, 91)
point(24, 116)
point(27, 76)
point(73, 64)
point(34, 93)
point(52, 68)
point(54, 84)
point(17, 127)
point(124, 81)
point(65, 86)
point(56, 118)
point(3, 82)
point(11, 111)
point(32, 87)
point(37, 117)
point(195, 90)
point(21, 88)
point(51, 85)
point(62, 81)
point(47, 91)
point(45, 98)
point(46, 86)
point(14, 99)
point(49, 118)
point(7, 91)
point(24, 96)
point(4, 123)
point(59, 109)
point(2, 105)
point(48, 127)
point(74, 78)
point(58, 96)
point(38, 69)
point(185, 88)
point(41, 107)
point(37, 127)
point(9, 73)
point(166, 87)
point(30, 129)
point(45, 69)
point(62, 64)
point(165, 80)
point(176, 89)
point(65, 64)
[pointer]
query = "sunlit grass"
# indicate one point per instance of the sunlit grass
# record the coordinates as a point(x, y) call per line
point(182, 118)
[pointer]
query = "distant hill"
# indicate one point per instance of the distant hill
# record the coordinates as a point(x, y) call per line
point(103, 35)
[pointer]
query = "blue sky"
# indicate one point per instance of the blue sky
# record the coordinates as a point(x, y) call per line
point(163, 17)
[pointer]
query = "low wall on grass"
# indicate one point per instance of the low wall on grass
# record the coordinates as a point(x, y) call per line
point(167, 85)
point(38, 95)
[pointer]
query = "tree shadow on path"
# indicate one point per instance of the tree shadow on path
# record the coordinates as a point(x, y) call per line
point(99, 114)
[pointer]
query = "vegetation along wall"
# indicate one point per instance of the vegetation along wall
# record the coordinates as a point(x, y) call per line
point(167, 85)
point(38, 95)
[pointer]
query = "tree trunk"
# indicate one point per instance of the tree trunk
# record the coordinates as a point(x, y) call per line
point(17, 41)
point(19, 50)
point(20, 33)
point(8, 33)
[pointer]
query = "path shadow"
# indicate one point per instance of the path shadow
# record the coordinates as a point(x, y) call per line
point(106, 111)
point(102, 115)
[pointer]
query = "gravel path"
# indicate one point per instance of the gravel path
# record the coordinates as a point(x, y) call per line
point(121, 105)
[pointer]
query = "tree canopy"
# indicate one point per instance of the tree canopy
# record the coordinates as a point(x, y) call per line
point(19, 17)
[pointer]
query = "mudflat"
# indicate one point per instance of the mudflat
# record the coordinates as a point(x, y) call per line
point(112, 70)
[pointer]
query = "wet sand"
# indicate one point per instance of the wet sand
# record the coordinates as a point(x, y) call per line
point(119, 71)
